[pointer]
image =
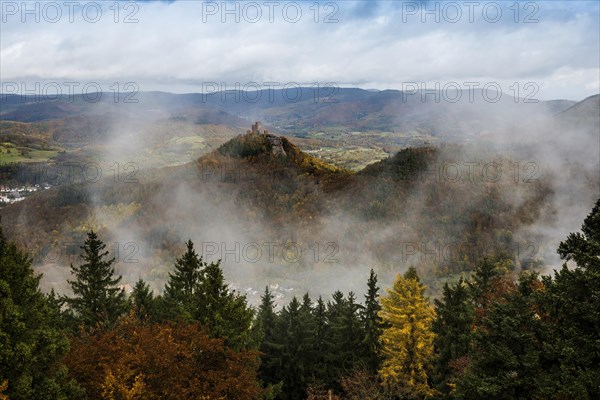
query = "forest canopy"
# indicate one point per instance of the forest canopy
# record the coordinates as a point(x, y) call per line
point(498, 333)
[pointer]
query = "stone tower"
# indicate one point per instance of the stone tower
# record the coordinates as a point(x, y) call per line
point(256, 129)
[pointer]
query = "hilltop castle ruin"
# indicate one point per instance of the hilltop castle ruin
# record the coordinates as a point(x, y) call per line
point(256, 129)
point(274, 141)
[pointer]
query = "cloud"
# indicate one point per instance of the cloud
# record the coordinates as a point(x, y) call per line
point(176, 46)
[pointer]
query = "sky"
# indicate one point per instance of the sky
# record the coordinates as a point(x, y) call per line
point(542, 50)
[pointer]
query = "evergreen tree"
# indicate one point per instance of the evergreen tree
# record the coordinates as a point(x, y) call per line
point(31, 342)
point(350, 342)
point(225, 313)
point(372, 325)
point(184, 283)
point(306, 306)
point(295, 341)
point(336, 338)
point(321, 342)
point(540, 339)
point(197, 292)
point(307, 319)
point(97, 301)
point(266, 316)
point(266, 320)
point(453, 335)
point(481, 281)
point(408, 338)
point(60, 315)
point(584, 247)
point(571, 305)
point(143, 302)
point(488, 282)
point(507, 361)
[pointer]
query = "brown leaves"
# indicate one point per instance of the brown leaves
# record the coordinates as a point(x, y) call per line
point(161, 361)
point(360, 385)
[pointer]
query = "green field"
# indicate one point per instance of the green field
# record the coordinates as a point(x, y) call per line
point(352, 157)
point(9, 153)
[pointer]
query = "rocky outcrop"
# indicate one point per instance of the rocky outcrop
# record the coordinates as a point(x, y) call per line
point(274, 142)
point(276, 145)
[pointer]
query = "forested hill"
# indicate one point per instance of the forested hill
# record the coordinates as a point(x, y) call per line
point(410, 209)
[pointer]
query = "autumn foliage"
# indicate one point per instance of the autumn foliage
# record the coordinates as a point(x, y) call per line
point(491, 335)
point(161, 361)
point(408, 339)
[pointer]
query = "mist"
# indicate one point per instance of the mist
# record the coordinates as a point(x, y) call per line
point(148, 205)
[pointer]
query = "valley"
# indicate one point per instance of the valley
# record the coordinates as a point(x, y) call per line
point(149, 180)
point(324, 200)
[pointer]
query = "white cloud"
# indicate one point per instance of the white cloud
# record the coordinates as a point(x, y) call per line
point(170, 48)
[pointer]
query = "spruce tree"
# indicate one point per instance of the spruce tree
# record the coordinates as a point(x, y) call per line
point(307, 319)
point(584, 247)
point(197, 292)
point(321, 341)
point(31, 340)
point(98, 301)
point(143, 302)
point(484, 281)
point(489, 281)
point(295, 341)
point(453, 334)
point(483, 276)
point(184, 283)
point(506, 363)
point(224, 312)
point(266, 315)
point(353, 334)
point(571, 301)
point(266, 320)
point(372, 325)
point(336, 337)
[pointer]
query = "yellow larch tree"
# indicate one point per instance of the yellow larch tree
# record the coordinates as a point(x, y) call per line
point(407, 338)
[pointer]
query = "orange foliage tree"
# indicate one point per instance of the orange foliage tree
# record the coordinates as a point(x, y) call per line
point(161, 361)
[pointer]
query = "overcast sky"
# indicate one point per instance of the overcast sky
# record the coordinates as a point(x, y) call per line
point(181, 46)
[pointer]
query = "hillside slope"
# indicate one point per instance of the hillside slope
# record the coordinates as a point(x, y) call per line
point(260, 188)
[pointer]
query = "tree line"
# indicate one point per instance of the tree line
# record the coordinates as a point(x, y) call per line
point(494, 334)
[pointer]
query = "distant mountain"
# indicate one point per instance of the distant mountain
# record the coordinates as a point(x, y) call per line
point(298, 111)
point(586, 113)
point(557, 106)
